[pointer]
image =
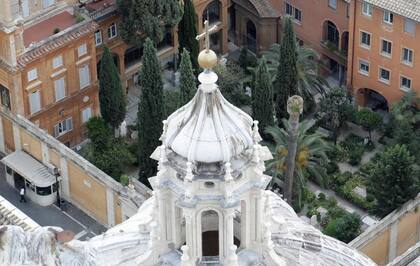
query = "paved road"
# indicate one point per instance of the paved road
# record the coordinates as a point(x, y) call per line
point(78, 222)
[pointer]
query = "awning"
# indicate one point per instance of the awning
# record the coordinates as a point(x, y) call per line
point(29, 168)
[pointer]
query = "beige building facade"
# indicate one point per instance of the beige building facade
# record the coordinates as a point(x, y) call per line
point(82, 184)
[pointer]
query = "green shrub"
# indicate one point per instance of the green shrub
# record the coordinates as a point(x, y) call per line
point(355, 155)
point(340, 179)
point(321, 196)
point(344, 228)
point(331, 202)
point(308, 196)
point(337, 153)
point(312, 212)
point(332, 168)
point(124, 180)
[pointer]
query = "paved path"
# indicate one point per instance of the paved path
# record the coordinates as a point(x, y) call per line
point(73, 219)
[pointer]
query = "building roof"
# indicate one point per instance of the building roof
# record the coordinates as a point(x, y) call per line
point(10, 215)
point(208, 129)
point(406, 8)
point(45, 28)
point(29, 168)
point(56, 41)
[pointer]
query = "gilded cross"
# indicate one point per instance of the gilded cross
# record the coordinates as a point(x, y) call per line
point(206, 34)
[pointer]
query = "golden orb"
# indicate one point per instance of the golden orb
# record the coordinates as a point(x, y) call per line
point(207, 59)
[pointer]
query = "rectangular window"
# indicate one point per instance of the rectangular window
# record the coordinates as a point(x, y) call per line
point(47, 3)
point(35, 102)
point(405, 83)
point(32, 74)
point(82, 50)
point(63, 127)
point(364, 38)
point(367, 9)
point(86, 114)
point(407, 56)
point(409, 26)
point(5, 97)
point(388, 17)
point(364, 67)
point(386, 47)
point(332, 4)
point(112, 31)
point(98, 37)
point(289, 9)
point(57, 61)
point(60, 89)
point(384, 75)
point(347, 10)
point(298, 14)
point(84, 76)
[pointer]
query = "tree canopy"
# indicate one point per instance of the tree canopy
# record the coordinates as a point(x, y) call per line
point(262, 97)
point(141, 19)
point(111, 95)
point(286, 83)
point(393, 179)
point(187, 84)
point(150, 112)
point(187, 32)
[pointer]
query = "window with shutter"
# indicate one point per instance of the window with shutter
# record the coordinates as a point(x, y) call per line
point(84, 77)
point(60, 89)
point(35, 102)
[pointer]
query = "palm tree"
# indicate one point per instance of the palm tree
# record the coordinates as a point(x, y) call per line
point(310, 155)
point(309, 82)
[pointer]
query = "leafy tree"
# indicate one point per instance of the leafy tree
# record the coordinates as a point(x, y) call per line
point(345, 228)
point(310, 155)
point(369, 120)
point(262, 97)
point(393, 179)
point(108, 154)
point(231, 83)
point(333, 109)
point(141, 19)
point(187, 79)
point(111, 95)
point(187, 32)
point(286, 81)
point(404, 125)
point(150, 112)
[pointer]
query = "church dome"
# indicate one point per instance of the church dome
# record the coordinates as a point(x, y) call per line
point(208, 129)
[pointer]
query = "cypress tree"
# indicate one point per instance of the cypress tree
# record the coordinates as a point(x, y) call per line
point(150, 112)
point(243, 58)
point(147, 18)
point(262, 97)
point(187, 32)
point(287, 80)
point(187, 79)
point(111, 95)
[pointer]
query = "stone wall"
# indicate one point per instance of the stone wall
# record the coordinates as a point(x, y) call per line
point(84, 185)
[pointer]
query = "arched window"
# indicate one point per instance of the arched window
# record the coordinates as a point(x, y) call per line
point(212, 12)
point(251, 36)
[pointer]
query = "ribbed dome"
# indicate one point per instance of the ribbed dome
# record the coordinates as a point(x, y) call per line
point(208, 129)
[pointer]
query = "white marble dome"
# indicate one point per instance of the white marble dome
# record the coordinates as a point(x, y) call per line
point(208, 129)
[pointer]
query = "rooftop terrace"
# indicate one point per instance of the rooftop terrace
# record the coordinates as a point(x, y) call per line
point(47, 27)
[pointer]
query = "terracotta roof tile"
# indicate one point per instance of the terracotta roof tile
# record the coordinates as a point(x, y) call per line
point(406, 8)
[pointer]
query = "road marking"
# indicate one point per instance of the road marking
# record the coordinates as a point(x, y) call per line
point(80, 234)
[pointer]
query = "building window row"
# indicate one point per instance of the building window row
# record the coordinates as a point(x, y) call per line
point(294, 12)
point(407, 54)
point(384, 75)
